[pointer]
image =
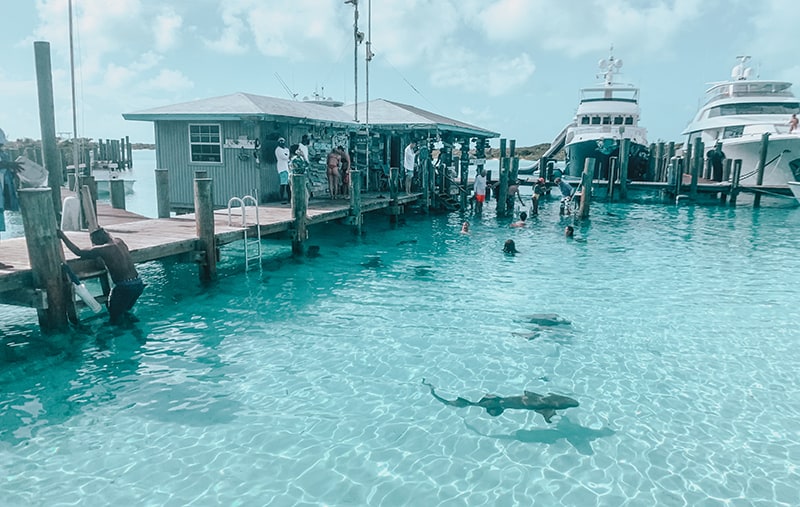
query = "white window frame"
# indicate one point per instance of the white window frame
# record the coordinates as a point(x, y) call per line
point(205, 143)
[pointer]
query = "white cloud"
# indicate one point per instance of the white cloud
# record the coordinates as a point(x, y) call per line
point(169, 80)
point(166, 29)
point(495, 76)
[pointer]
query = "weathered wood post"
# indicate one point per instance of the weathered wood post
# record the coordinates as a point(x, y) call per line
point(697, 164)
point(427, 186)
point(464, 191)
point(300, 207)
point(46, 256)
point(762, 161)
point(502, 188)
point(737, 173)
point(514, 164)
point(503, 155)
point(726, 169)
point(117, 189)
point(87, 199)
point(612, 174)
point(130, 152)
point(652, 162)
point(660, 162)
point(162, 193)
point(394, 183)
point(47, 122)
point(670, 154)
point(624, 155)
point(586, 183)
point(204, 225)
point(356, 218)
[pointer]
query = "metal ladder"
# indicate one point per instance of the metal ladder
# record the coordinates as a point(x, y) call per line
point(249, 243)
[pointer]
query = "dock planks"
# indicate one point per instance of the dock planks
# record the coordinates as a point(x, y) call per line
point(156, 238)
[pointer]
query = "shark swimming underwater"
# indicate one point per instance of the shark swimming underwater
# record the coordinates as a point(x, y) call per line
point(495, 405)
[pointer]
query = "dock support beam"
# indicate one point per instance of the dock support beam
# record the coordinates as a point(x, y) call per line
point(737, 173)
point(47, 121)
point(162, 193)
point(624, 155)
point(356, 218)
point(762, 160)
point(502, 187)
point(46, 256)
point(300, 207)
point(394, 183)
point(586, 184)
point(204, 223)
point(117, 190)
point(696, 165)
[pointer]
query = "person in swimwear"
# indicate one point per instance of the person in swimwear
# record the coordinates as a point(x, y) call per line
point(117, 258)
point(345, 171)
point(480, 190)
point(333, 173)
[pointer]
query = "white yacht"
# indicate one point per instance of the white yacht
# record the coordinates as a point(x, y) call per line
point(607, 113)
point(738, 112)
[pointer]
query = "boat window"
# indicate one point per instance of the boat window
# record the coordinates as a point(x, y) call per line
point(618, 120)
point(754, 108)
point(596, 120)
point(629, 120)
point(606, 120)
point(731, 132)
point(585, 120)
point(205, 143)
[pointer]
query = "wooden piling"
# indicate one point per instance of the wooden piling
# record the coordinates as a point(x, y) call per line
point(117, 190)
point(46, 256)
point(204, 224)
point(464, 175)
point(300, 207)
point(586, 183)
point(762, 160)
point(737, 173)
point(726, 169)
point(612, 172)
point(513, 167)
point(394, 184)
point(162, 193)
point(47, 122)
point(660, 162)
point(356, 217)
point(130, 152)
point(696, 164)
point(624, 155)
point(502, 188)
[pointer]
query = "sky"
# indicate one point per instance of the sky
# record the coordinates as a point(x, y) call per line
point(510, 66)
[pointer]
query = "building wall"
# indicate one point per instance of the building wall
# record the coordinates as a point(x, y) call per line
point(238, 174)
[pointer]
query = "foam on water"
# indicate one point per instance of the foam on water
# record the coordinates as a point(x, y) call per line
point(300, 384)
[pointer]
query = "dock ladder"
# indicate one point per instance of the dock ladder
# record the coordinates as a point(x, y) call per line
point(252, 246)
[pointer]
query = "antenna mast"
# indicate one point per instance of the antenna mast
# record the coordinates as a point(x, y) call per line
point(285, 86)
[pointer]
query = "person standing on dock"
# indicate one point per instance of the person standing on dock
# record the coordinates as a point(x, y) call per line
point(409, 157)
point(303, 147)
point(333, 172)
point(117, 258)
point(282, 154)
point(480, 190)
point(716, 157)
point(344, 171)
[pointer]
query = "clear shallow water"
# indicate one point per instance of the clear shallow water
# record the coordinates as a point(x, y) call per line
point(300, 384)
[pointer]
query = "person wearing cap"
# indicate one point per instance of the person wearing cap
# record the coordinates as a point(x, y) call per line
point(539, 189)
point(282, 155)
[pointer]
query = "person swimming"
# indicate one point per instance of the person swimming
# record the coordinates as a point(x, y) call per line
point(510, 247)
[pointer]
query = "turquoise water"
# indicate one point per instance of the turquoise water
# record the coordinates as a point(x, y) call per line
point(300, 384)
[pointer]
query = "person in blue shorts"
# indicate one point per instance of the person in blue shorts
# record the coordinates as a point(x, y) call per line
point(117, 258)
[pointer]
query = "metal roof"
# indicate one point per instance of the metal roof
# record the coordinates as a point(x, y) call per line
point(238, 105)
point(386, 114)
point(382, 113)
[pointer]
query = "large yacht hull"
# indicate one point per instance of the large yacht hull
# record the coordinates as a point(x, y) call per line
point(782, 163)
point(603, 152)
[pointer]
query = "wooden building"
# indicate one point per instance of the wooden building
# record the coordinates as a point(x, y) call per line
point(233, 139)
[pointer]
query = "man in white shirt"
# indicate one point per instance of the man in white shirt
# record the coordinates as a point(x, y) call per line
point(303, 147)
point(282, 154)
point(480, 190)
point(409, 156)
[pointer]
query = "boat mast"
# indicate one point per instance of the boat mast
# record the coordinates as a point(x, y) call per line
point(75, 151)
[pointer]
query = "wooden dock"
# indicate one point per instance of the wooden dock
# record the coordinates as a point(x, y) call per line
point(151, 239)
